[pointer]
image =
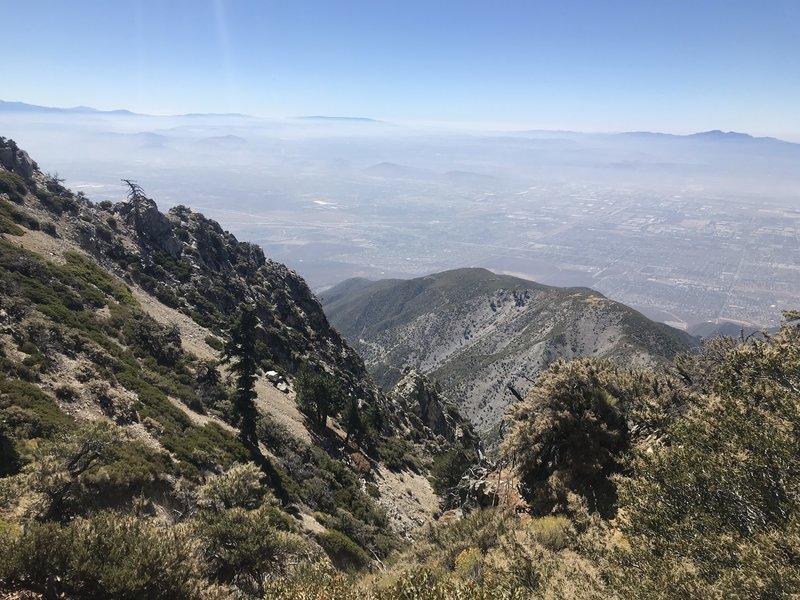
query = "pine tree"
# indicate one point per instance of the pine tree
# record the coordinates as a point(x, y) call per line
point(352, 422)
point(241, 352)
point(318, 395)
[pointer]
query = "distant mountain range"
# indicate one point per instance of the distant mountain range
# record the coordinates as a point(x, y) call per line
point(6, 107)
point(476, 331)
point(395, 171)
point(25, 107)
point(344, 119)
point(715, 135)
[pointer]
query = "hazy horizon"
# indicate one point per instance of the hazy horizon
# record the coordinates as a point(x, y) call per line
point(686, 229)
point(454, 126)
point(508, 135)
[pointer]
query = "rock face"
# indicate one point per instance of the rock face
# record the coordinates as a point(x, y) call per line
point(16, 160)
point(421, 400)
point(189, 263)
point(476, 332)
point(143, 216)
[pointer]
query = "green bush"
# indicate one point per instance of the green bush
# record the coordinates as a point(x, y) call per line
point(7, 224)
point(12, 184)
point(568, 436)
point(11, 217)
point(245, 547)
point(89, 272)
point(714, 511)
point(239, 487)
point(216, 343)
point(105, 556)
point(397, 454)
point(10, 461)
point(318, 395)
point(206, 447)
point(343, 552)
point(447, 470)
point(92, 467)
point(29, 412)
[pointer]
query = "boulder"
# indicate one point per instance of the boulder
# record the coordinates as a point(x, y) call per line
point(143, 216)
point(15, 160)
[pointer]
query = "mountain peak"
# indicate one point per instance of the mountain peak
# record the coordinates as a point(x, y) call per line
point(476, 331)
point(717, 134)
point(340, 119)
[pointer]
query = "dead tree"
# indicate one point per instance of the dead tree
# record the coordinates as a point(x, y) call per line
point(135, 191)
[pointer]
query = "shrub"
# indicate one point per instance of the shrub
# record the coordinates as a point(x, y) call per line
point(12, 184)
point(397, 453)
point(216, 343)
point(469, 564)
point(318, 395)
point(148, 337)
point(89, 272)
point(50, 229)
point(94, 466)
point(10, 461)
point(239, 487)
point(568, 436)
point(8, 218)
point(28, 411)
point(107, 555)
point(343, 552)
point(245, 547)
point(66, 393)
point(714, 512)
point(447, 470)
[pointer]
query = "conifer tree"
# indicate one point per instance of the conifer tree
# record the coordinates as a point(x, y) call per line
point(318, 395)
point(351, 419)
point(241, 352)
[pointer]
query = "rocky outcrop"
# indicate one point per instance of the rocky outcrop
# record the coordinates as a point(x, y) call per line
point(16, 160)
point(143, 216)
point(422, 402)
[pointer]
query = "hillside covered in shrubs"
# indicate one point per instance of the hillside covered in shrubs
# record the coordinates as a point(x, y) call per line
point(178, 420)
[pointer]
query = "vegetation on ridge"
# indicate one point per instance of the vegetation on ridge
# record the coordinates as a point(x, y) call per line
point(123, 475)
point(476, 332)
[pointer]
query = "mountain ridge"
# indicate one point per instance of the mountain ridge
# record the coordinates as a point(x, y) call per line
point(118, 316)
point(15, 106)
point(478, 332)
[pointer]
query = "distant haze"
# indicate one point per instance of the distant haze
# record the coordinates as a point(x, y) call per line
point(686, 229)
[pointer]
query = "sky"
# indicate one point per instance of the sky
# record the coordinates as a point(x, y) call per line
point(591, 65)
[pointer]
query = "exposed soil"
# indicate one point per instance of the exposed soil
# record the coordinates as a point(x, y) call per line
point(408, 498)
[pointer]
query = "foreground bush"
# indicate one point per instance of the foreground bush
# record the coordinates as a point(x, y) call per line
point(105, 556)
point(715, 511)
point(568, 436)
point(243, 537)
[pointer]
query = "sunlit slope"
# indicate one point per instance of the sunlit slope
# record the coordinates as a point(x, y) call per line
point(477, 331)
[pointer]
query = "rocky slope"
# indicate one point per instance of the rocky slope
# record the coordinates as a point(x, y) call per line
point(477, 332)
point(425, 408)
point(114, 315)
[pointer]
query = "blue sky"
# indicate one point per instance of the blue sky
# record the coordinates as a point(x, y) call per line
point(596, 65)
